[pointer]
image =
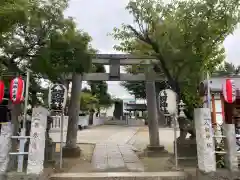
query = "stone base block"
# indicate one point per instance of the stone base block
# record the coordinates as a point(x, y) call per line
point(155, 151)
point(222, 174)
point(71, 152)
point(186, 148)
point(173, 175)
point(22, 176)
point(186, 152)
point(50, 163)
point(155, 148)
point(185, 161)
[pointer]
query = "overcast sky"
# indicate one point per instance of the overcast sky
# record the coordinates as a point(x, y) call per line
point(99, 17)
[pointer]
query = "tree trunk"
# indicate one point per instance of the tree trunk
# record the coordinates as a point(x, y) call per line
point(90, 121)
point(152, 114)
point(71, 149)
point(34, 99)
point(66, 83)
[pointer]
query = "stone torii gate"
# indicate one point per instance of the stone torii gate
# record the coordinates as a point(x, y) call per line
point(117, 60)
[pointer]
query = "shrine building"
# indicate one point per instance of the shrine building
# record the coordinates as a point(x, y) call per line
point(220, 109)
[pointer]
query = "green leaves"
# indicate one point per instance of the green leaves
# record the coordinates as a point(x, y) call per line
point(36, 35)
point(88, 101)
point(99, 89)
point(185, 36)
point(68, 51)
point(227, 69)
point(135, 88)
point(13, 12)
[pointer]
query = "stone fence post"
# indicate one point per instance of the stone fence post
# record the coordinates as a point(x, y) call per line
point(204, 138)
point(231, 159)
point(5, 146)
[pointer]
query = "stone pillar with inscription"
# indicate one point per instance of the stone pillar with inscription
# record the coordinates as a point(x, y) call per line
point(37, 141)
point(204, 138)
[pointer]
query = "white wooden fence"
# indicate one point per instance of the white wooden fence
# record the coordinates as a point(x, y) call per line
point(83, 121)
point(135, 122)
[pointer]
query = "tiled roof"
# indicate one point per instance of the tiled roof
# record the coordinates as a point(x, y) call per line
point(138, 107)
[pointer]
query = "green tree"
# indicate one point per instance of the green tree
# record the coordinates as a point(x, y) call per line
point(13, 13)
point(135, 88)
point(100, 89)
point(23, 45)
point(88, 101)
point(71, 53)
point(184, 36)
point(24, 29)
point(227, 69)
point(51, 46)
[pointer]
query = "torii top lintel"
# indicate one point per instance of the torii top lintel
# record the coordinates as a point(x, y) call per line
point(115, 61)
point(124, 59)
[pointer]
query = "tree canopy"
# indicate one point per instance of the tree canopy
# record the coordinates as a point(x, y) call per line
point(99, 89)
point(184, 36)
point(13, 12)
point(37, 36)
point(227, 69)
point(88, 101)
point(138, 88)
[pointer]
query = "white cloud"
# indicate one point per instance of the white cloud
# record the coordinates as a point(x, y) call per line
point(231, 45)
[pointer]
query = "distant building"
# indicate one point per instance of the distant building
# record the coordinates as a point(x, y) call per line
point(126, 102)
point(110, 111)
point(124, 108)
point(222, 111)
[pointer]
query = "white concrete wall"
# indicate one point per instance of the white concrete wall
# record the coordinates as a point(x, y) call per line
point(56, 124)
point(136, 122)
point(109, 111)
point(98, 120)
point(83, 121)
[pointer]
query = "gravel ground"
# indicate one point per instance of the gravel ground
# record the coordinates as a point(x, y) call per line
point(157, 164)
point(81, 164)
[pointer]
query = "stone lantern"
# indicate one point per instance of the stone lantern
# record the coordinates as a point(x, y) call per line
point(181, 107)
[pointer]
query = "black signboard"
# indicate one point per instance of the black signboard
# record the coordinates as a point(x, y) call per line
point(57, 97)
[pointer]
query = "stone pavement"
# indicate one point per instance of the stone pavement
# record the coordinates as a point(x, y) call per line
point(114, 154)
point(92, 135)
point(173, 175)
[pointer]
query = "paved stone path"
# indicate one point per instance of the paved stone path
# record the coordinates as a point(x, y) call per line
point(114, 154)
point(93, 135)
